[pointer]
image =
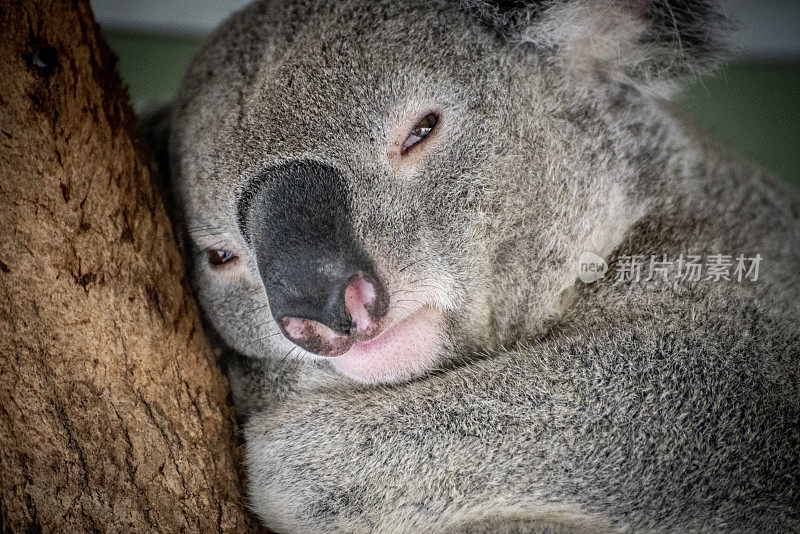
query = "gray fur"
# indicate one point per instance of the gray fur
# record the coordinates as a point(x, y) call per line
point(551, 406)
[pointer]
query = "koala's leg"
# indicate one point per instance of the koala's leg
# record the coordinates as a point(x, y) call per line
point(643, 431)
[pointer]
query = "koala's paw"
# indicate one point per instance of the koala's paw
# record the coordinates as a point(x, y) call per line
point(290, 485)
point(312, 469)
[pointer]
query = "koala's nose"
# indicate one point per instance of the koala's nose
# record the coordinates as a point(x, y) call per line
point(322, 287)
point(328, 325)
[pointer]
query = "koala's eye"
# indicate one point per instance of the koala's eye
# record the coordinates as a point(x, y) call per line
point(219, 257)
point(420, 131)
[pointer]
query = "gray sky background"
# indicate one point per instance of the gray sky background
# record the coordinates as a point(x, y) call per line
point(765, 28)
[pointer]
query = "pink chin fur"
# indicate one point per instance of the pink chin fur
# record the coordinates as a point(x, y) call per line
point(402, 351)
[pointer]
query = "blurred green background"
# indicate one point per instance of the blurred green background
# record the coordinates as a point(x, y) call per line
point(752, 106)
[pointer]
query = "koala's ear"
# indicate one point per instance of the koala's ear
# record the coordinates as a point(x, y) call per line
point(645, 43)
point(154, 128)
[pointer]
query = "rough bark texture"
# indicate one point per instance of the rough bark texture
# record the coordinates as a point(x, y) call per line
point(113, 415)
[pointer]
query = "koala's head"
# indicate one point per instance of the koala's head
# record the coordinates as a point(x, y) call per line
point(391, 185)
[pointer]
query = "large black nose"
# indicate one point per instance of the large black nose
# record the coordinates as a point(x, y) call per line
point(322, 287)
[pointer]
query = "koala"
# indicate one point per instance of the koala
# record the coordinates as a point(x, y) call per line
point(383, 206)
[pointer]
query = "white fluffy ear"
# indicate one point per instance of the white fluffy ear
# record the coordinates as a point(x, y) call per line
point(645, 43)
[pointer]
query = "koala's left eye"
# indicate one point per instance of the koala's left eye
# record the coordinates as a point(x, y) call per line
point(420, 131)
point(219, 257)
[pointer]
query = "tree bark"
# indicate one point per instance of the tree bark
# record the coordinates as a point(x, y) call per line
point(114, 416)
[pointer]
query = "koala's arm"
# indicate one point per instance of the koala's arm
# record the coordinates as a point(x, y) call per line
point(644, 431)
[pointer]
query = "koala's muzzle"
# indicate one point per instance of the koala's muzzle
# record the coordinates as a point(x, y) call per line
point(322, 287)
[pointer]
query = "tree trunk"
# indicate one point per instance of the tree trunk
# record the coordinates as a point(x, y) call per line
point(113, 414)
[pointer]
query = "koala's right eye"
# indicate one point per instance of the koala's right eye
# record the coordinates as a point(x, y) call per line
point(420, 131)
point(220, 257)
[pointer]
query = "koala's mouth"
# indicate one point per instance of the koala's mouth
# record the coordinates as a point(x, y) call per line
point(405, 349)
point(370, 340)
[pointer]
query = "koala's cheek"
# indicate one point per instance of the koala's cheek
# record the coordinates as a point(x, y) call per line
point(406, 350)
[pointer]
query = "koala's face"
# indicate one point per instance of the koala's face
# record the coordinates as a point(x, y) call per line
point(386, 186)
